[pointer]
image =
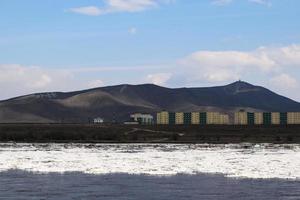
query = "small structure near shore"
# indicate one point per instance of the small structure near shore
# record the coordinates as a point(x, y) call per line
point(98, 120)
point(144, 119)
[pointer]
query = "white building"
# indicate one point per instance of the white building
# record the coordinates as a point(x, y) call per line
point(98, 120)
point(142, 118)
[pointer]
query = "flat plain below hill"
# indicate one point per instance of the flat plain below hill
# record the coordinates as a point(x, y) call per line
point(115, 133)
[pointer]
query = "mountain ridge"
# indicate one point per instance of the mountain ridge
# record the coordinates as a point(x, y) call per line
point(116, 103)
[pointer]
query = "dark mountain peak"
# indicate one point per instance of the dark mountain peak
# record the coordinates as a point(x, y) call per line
point(241, 84)
point(241, 87)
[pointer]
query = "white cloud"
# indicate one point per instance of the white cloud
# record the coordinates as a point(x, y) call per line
point(220, 75)
point(43, 81)
point(274, 67)
point(159, 78)
point(16, 80)
point(285, 84)
point(19, 80)
point(28, 77)
point(113, 6)
point(284, 81)
point(230, 65)
point(285, 56)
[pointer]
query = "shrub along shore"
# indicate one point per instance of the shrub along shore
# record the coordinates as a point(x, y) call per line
point(117, 133)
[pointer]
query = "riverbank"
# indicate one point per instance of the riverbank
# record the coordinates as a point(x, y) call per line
point(114, 133)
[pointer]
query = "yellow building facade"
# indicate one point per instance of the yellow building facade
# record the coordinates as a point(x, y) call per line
point(163, 118)
point(275, 118)
point(224, 119)
point(216, 118)
point(195, 118)
point(240, 118)
point(258, 118)
point(179, 118)
point(293, 118)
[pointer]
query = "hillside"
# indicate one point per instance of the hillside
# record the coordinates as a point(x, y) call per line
point(117, 102)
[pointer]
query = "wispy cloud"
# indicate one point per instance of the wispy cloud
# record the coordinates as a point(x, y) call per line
point(88, 10)
point(226, 2)
point(262, 2)
point(159, 78)
point(95, 83)
point(221, 2)
point(114, 6)
point(132, 30)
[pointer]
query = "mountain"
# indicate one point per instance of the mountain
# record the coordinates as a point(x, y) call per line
point(118, 102)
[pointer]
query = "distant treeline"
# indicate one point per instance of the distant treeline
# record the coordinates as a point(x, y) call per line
point(114, 133)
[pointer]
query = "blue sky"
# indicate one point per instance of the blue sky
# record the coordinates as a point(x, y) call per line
point(63, 45)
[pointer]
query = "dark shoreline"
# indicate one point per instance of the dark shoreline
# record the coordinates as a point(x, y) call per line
point(116, 133)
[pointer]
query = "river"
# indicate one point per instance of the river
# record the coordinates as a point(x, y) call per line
point(149, 171)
